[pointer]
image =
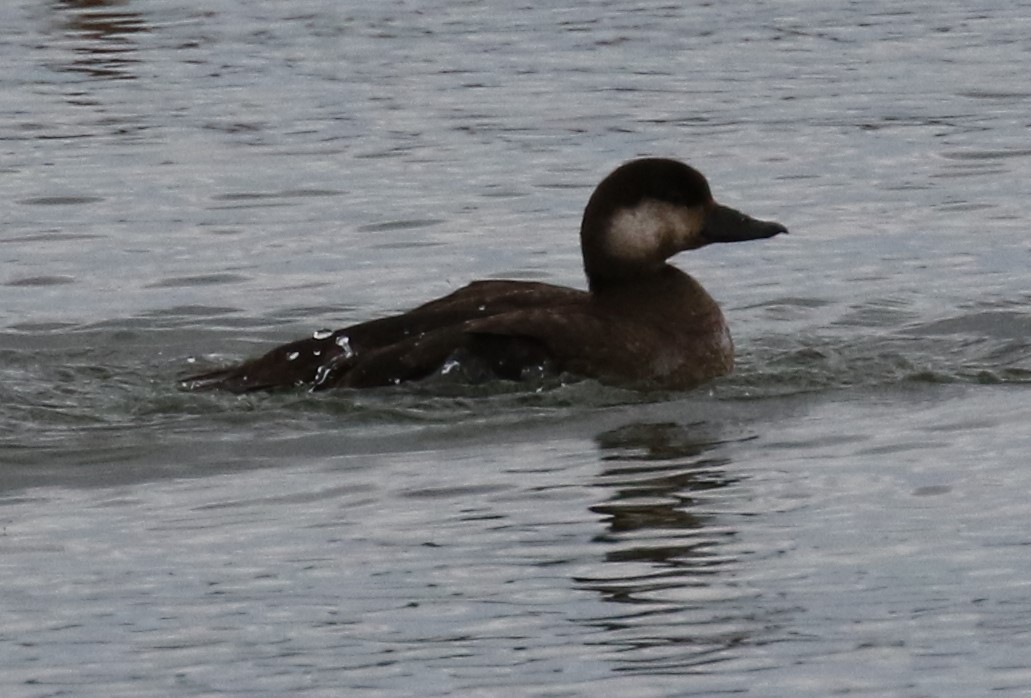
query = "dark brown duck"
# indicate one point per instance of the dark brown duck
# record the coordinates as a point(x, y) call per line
point(641, 323)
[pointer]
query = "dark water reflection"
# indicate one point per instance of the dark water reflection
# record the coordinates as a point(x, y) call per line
point(671, 548)
point(99, 36)
point(655, 469)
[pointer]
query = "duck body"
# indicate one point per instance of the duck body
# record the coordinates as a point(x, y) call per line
point(642, 323)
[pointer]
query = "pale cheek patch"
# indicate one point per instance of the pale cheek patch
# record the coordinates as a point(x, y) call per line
point(652, 231)
point(634, 234)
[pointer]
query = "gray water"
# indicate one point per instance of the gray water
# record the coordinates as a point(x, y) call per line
point(847, 514)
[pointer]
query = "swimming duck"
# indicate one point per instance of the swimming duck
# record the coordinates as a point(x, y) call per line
point(642, 322)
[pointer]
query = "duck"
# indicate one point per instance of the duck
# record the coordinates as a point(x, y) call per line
point(641, 322)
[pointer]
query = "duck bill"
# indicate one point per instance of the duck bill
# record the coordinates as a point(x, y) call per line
point(724, 224)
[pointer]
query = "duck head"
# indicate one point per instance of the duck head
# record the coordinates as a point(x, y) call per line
point(650, 209)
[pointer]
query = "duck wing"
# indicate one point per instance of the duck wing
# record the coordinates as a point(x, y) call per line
point(403, 347)
point(575, 337)
point(581, 339)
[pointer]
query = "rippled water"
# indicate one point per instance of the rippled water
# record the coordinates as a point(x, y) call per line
point(846, 514)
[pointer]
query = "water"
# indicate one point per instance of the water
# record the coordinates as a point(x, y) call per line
point(846, 514)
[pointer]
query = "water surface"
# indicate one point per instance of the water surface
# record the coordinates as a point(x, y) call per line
point(181, 187)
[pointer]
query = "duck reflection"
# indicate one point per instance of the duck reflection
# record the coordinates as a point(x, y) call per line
point(672, 549)
point(657, 473)
point(101, 32)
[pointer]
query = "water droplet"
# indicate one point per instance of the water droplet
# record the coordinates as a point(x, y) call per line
point(317, 353)
point(482, 308)
point(322, 334)
point(344, 343)
point(191, 360)
point(321, 375)
point(292, 355)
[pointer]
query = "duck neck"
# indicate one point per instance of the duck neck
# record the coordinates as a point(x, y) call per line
point(623, 278)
